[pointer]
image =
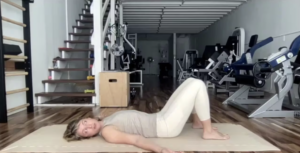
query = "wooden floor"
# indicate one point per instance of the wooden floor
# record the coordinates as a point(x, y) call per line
point(282, 132)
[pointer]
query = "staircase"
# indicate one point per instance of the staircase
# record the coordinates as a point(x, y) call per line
point(80, 36)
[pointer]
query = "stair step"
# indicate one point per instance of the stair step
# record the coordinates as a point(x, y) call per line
point(80, 34)
point(77, 41)
point(68, 81)
point(73, 59)
point(70, 69)
point(87, 10)
point(83, 27)
point(85, 21)
point(89, 15)
point(65, 94)
point(76, 50)
point(86, 15)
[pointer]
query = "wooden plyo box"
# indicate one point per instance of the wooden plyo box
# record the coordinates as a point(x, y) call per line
point(114, 89)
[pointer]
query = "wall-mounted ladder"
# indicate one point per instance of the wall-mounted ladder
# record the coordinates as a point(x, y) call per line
point(24, 60)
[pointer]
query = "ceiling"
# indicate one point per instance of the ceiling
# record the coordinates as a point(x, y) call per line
point(174, 16)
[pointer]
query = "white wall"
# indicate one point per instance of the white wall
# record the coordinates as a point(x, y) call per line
point(48, 32)
point(149, 48)
point(276, 18)
point(74, 8)
point(15, 31)
point(149, 44)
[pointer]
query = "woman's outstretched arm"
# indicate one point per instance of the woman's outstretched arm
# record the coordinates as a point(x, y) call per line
point(112, 135)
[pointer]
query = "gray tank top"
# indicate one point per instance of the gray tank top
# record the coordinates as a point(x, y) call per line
point(133, 122)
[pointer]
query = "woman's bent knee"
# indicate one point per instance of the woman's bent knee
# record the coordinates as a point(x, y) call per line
point(198, 82)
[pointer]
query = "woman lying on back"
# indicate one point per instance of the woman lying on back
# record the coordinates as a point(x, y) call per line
point(134, 127)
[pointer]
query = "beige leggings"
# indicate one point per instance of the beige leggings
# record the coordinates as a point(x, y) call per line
point(190, 97)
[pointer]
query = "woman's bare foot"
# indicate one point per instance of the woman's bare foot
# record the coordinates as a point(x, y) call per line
point(199, 126)
point(214, 135)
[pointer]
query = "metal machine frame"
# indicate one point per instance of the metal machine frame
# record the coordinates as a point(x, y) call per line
point(291, 102)
point(268, 107)
point(126, 59)
point(240, 34)
point(244, 60)
point(185, 62)
point(271, 106)
point(183, 74)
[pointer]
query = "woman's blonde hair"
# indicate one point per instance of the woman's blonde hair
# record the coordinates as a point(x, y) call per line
point(71, 131)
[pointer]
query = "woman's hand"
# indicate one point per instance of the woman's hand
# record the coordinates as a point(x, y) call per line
point(166, 150)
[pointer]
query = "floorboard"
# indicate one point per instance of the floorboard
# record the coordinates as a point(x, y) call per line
point(281, 132)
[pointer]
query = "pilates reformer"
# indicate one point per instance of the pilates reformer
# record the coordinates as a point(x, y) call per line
point(277, 63)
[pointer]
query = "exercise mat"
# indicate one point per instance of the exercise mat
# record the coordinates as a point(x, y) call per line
point(50, 139)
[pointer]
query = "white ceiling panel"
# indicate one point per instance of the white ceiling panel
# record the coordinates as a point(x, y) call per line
point(190, 18)
point(195, 10)
point(172, 19)
point(180, 16)
point(142, 13)
point(139, 18)
point(195, 13)
point(179, 7)
point(168, 21)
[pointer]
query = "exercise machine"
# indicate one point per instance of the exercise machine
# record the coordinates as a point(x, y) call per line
point(222, 55)
point(235, 48)
point(184, 74)
point(229, 53)
point(225, 73)
point(277, 63)
point(210, 62)
point(189, 58)
point(292, 101)
point(127, 56)
point(246, 58)
point(240, 34)
point(188, 61)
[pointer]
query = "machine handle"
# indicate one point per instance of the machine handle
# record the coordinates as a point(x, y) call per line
point(260, 44)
